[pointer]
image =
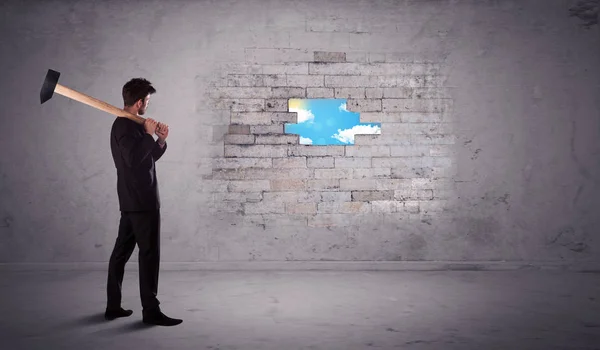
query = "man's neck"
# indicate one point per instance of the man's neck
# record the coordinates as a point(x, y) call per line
point(131, 110)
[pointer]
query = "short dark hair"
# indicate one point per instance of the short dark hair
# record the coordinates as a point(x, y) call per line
point(136, 89)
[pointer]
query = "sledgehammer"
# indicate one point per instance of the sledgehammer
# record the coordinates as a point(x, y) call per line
point(51, 86)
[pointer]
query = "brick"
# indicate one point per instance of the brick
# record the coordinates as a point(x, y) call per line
point(306, 150)
point(240, 92)
point(352, 162)
point(397, 92)
point(367, 151)
point(273, 80)
point(343, 207)
point(319, 92)
point(412, 194)
point(309, 197)
point(239, 129)
point(288, 185)
point(435, 206)
point(333, 173)
point(409, 151)
point(371, 173)
point(358, 184)
point(434, 81)
point(287, 68)
point(411, 105)
point(433, 139)
point(332, 220)
point(374, 140)
point(239, 197)
point(364, 105)
point(428, 183)
point(384, 206)
point(356, 81)
point(323, 56)
point(397, 162)
point(266, 129)
point(440, 193)
point(410, 173)
point(374, 92)
point(248, 186)
point(263, 208)
point(238, 105)
point(323, 184)
point(441, 151)
point(251, 151)
point(289, 162)
point(416, 128)
point(320, 162)
point(411, 81)
point(301, 208)
point(276, 105)
point(236, 163)
point(357, 56)
point(290, 139)
point(260, 173)
point(412, 207)
point(367, 196)
point(393, 184)
point(432, 92)
point(262, 118)
point(245, 80)
point(358, 93)
point(288, 196)
point(288, 92)
point(336, 196)
point(444, 172)
point(305, 81)
point(401, 117)
point(233, 139)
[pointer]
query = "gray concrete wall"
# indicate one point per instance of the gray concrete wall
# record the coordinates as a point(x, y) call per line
point(489, 146)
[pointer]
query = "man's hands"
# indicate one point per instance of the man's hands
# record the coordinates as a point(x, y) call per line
point(162, 131)
point(150, 126)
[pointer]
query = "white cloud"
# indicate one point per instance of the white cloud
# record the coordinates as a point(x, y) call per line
point(342, 107)
point(304, 115)
point(347, 135)
point(305, 141)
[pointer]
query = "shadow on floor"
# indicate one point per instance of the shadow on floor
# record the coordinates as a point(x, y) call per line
point(118, 326)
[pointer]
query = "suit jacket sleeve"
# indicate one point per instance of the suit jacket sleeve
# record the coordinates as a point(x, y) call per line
point(157, 151)
point(133, 149)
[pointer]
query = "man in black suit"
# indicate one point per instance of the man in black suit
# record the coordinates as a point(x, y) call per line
point(135, 152)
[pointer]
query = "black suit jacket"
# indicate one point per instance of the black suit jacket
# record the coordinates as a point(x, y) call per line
point(134, 152)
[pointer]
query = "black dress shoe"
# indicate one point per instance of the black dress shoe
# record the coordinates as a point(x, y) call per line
point(156, 317)
point(116, 313)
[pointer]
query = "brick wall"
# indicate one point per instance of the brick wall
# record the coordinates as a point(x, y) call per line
point(268, 178)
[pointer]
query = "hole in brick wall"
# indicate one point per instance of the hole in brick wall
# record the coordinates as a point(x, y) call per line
point(327, 122)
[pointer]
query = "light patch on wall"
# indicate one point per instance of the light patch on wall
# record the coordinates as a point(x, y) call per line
point(327, 122)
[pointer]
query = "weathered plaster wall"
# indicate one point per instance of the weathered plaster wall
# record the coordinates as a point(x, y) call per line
point(489, 144)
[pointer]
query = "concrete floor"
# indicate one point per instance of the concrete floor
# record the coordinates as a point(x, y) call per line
point(308, 310)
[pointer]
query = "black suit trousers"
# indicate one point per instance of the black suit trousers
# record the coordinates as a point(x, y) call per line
point(143, 228)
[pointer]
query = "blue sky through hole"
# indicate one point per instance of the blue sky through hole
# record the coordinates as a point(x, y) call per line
point(327, 122)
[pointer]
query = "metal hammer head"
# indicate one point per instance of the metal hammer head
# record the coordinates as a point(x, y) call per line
point(49, 85)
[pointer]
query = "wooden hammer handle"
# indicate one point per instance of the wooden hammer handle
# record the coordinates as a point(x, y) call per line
point(101, 105)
